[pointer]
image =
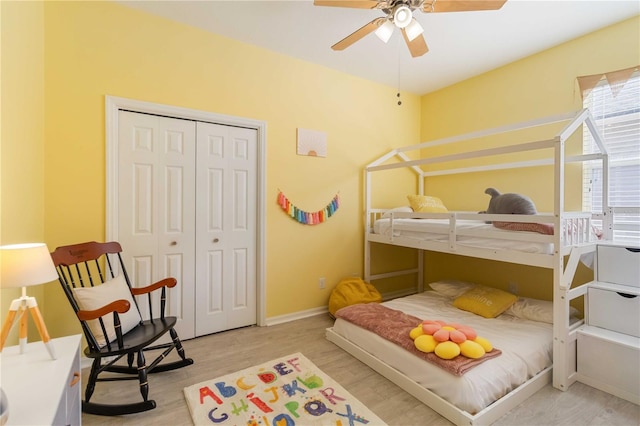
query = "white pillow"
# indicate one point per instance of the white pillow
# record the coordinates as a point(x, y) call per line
point(535, 310)
point(451, 288)
point(91, 298)
point(403, 209)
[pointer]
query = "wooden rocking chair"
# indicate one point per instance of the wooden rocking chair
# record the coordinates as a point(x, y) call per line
point(111, 321)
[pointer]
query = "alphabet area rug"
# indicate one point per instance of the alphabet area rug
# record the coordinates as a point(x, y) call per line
point(286, 391)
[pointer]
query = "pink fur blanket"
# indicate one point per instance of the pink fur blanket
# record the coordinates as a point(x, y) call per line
point(395, 326)
point(541, 228)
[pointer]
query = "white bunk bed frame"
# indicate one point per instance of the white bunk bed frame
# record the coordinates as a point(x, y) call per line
point(569, 245)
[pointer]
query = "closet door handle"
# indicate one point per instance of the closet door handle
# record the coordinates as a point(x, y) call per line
point(215, 240)
point(173, 243)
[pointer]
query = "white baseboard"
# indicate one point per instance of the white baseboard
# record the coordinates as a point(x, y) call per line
point(86, 362)
point(281, 319)
point(324, 310)
point(297, 315)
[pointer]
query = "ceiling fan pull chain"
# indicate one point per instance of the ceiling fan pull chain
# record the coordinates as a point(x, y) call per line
point(398, 95)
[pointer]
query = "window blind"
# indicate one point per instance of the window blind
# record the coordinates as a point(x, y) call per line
point(616, 110)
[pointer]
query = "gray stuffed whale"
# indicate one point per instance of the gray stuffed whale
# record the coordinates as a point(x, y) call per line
point(509, 203)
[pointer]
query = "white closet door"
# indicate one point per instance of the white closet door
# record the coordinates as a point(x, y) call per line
point(226, 223)
point(156, 208)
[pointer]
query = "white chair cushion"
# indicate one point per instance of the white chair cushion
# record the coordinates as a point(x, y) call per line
point(90, 298)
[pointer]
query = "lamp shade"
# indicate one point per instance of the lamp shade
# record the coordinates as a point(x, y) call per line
point(413, 30)
point(23, 265)
point(385, 31)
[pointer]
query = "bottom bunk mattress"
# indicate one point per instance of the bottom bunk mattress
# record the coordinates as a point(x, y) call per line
point(526, 348)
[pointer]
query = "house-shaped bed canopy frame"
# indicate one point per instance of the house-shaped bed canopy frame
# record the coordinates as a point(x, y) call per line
point(572, 239)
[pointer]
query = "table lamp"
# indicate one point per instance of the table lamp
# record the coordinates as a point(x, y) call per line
point(23, 265)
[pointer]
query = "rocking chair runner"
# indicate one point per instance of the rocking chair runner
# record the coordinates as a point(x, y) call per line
point(111, 321)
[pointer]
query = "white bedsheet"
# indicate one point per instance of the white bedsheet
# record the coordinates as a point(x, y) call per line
point(526, 350)
point(437, 230)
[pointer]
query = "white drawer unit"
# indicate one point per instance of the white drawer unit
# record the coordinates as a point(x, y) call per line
point(609, 361)
point(614, 307)
point(618, 265)
point(608, 348)
point(41, 390)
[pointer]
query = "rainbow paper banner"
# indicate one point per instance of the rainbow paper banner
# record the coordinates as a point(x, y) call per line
point(309, 218)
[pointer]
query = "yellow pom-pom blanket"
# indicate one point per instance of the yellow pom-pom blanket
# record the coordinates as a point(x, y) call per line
point(448, 341)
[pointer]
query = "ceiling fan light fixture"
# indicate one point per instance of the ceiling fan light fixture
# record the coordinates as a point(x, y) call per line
point(402, 16)
point(413, 30)
point(385, 31)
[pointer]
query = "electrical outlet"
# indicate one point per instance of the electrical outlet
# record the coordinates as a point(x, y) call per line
point(513, 288)
point(321, 283)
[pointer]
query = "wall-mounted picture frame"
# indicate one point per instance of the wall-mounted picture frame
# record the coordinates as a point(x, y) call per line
point(312, 143)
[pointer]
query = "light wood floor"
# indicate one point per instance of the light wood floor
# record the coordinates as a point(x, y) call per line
point(224, 353)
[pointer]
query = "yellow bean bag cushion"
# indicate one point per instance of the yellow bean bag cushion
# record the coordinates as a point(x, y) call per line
point(351, 291)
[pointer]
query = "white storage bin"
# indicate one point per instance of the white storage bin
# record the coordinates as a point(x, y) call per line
point(619, 265)
point(615, 307)
point(609, 361)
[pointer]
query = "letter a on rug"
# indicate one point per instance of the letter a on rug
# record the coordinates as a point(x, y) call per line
point(286, 391)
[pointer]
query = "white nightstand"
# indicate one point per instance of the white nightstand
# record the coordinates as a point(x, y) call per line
point(40, 390)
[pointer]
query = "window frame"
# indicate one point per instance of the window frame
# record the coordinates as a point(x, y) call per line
point(617, 118)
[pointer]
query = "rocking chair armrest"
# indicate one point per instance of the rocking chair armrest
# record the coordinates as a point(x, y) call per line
point(121, 306)
point(167, 282)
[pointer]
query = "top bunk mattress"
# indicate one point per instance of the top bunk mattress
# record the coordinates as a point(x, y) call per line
point(526, 350)
point(439, 230)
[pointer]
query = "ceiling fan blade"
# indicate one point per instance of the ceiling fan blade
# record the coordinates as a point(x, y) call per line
point(417, 46)
point(431, 6)
point(358, 34)
point(362, 4)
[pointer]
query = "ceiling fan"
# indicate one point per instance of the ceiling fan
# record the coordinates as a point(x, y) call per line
point(399, 14)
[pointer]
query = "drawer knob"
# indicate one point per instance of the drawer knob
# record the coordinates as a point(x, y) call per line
point(75, 380)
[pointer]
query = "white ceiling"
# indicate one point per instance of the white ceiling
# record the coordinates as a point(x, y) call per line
point(461, 44)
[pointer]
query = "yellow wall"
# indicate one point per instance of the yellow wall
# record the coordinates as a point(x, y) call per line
point(537, 86)
point(68, 55)
point(22, 195)
point(98, 49)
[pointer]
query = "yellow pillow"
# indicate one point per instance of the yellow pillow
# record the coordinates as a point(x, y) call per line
point(487, 302)
point(426, 204)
